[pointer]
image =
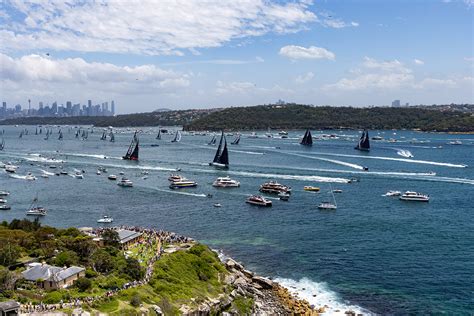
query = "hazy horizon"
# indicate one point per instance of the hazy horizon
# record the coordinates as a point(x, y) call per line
point(196, 55)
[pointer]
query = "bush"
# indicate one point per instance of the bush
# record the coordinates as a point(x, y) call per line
point(136, 300)
point(53, 297)
point(83, 284)
point(66, 258)
point(91, 273)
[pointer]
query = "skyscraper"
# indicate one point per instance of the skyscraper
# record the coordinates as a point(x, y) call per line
point(112, 107)
point(396, 104)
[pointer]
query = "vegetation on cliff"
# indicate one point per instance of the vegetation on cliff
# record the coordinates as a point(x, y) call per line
point(294, 116)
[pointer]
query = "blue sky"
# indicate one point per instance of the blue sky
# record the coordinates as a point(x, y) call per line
point(198, 54)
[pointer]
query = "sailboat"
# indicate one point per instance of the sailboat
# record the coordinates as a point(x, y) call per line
point(177, 137)
point(112, 137)
point(132, 152)
point(221, 159)
point(329, 205)
point(104, 136)
point(60, 135)
point(21, 134)
point(307, 139)
point(34, 209)
point(364, 143)
point(47, 135)
point(213, 140)
point(77, 134)
point(236, 140)
point(159, 134)
point(36, 131)
point(2, 144)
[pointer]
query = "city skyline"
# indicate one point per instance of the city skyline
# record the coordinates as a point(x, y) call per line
point(199, 55)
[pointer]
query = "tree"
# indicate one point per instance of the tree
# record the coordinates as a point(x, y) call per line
point(111, 238)
point(9, 253)
point(66, 258)
point(133, 269)
point(102, 261)
point(136, 300)
point(83, 284)
point(7, 279)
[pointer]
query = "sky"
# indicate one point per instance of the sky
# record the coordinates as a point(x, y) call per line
point(185, 54)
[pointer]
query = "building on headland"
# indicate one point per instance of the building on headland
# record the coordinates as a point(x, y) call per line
point(51, 277)
point(9, 308)
point(395, 103)
point(128, 237)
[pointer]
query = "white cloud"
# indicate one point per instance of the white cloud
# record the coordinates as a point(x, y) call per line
point(146, 26)
point(35, 76)
point(418, 61)
point(304, 77)
point(298, 52)
point(220, 62)
point(393, 65)
point(247, 89)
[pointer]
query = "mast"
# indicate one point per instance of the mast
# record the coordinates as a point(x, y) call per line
point(236, 140)
point(2, 144)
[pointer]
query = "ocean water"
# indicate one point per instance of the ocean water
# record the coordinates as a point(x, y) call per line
point(373, 254)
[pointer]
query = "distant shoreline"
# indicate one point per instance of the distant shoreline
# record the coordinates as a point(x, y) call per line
point(278, 117)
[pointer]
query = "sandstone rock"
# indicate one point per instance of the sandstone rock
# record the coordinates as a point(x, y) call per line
point(247, 273)
point(264, 282)
point(240, 282)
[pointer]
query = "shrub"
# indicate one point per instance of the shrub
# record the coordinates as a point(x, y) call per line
point(83, 284)
point(136, 300)
point(53, 297)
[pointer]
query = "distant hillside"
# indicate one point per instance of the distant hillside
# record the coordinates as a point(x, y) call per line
point(139, 119)
point(294, 116)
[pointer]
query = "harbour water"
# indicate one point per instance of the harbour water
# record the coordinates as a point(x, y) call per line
point(374, 253)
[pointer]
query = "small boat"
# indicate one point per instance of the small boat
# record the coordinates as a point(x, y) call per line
point(377, 138)
point(177, 137)
point(102, 169)
point(393, 193)
point(79, 175)
point(274, 188)
point(30, 177)
point(455, 142)
point(328, 205)
point(112, 177)
point(364, 143)
point(105, 219)
point(258, 200)
point(221, 158)
point(282, 133)
point(36, 210)
point(175, 178)
point(98, 172)
point(217, 205)
point(125, 183)
point(311, 188)
point(5, 207)
point(307, 139)
point(226, 182)
point(3, 201)
point(4, 193)
point(183, 184)
point(10, 168)
point(337, 191)
point(414, 196)
point(284, 196)
point(45, 176)
point(253, 135)
point(121, 173)
point(64, 173)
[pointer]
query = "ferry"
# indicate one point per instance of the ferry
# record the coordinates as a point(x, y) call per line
point(226, 182)
point(125, 183)
point(105, 219)
point(258, 200)
point(311, 188)
point(274, 188)
point(414, 196)
point(183, 184)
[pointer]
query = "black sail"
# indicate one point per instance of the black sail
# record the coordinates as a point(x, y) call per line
point(307, 138)
point(364, 143)
point(132, 152)
point(222, 155)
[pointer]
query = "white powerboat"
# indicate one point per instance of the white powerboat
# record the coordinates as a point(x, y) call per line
point(4, 193)
point(112, 177)
point(30, 177)
point(10, 168)
point(258, 200)
point(5, 207)
point(125, 183)
point(226, 182)
point(36, 211)
point(175, 178)
point(3, 201)
point(414, 196)
point(284, 196)
point(79, 175)
point(217, 205)
point(393, 193)
point(105, 219)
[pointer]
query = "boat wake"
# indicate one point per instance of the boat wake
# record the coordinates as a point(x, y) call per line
point(404, 153)
point(288, 177)
point(338, 162)
point(427, 162)
point(319, 295)
point(179, 192)
point(47, 172)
